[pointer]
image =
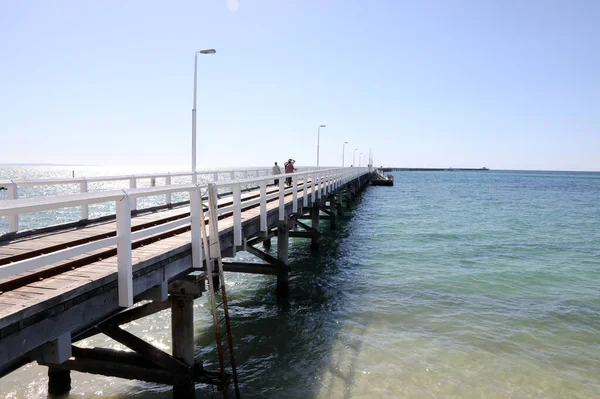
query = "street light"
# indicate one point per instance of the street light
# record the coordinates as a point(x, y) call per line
point(208, 51)
point(354, 156)
point(360, 159)
point(319, 139)
point(343, 149)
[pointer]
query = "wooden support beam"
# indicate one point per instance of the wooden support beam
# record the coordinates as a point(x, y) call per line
point(267, 258)
point(116, 363)
point(182, 338)
point(283, 235)
point(324, 217)
point(138, 312)
point(332, 221)
point(305, 226)
point(127, 316)
point(252, 268)
point(327, 212)
point(113, 355)
point(117, 369)
point(315, 216)
point(55, 351)
point(267, 243)
point(186, 287)
point(340, 207)
point(59, 381)
point(145, 349)
point(258, 240)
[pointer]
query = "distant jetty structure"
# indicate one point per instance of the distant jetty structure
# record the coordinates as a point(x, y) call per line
point(395, 169)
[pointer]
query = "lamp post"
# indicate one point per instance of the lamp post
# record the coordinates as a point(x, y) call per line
point(354, 156)
point(360, 157)
point(343, 154)
point(319, 139)
point(208, 51)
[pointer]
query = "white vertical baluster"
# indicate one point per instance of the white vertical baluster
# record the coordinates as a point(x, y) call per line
point(319, 184)
point(312, 188)
point(335, 180)
point(281, 202)
point(124, 267)
point(295, 195)
point(168, 196)
point(237, 214)
point(213, 226)
point(83, 188)
point(195, 204)
point(133, 184)
point(263, 205)
point(13, 221)
point(304, 191)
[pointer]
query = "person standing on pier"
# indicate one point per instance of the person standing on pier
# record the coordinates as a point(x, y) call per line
point(289, 168)
point(276, 171)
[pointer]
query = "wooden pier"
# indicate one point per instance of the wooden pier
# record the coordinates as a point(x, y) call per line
point(61, 284)
point(380, 179)
point(396, 169)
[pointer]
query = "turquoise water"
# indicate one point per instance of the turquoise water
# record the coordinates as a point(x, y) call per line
point(447, 285)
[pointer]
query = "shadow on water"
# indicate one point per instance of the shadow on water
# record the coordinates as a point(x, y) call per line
point(303, 346)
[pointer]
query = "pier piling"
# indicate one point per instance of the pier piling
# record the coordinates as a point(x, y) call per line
point(283, 235)
point(59, 382)
point(182, 335)
point(332, 212)
point(267, 243)
point(314, 213)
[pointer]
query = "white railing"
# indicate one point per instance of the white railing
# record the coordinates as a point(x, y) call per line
point(319, 182)
point(315, 184)
point(13, 185)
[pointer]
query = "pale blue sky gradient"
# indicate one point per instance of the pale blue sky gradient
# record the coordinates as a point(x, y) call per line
point(502, 84)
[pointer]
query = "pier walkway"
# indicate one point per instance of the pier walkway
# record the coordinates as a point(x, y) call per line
point(62, 283)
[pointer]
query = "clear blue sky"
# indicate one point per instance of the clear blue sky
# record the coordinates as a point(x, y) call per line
point(504, 84)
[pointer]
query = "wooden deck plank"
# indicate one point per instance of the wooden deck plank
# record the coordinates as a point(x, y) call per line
point(35, 243)
point(71, 283)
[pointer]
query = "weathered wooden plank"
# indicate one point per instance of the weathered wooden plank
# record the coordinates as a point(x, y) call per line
point(51, 242)
point(252, 268)
point(75, 286)
point(82, 314)
point(9, 300)
point(118, 369)
point(154, 254)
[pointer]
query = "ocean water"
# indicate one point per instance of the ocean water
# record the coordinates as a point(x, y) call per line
point(447, 285)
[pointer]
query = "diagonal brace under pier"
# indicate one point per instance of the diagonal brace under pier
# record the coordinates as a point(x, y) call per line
point(252, 268)
point(144, 348)
point(274, 262)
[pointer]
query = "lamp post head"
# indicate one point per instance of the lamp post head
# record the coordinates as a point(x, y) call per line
point(345, 142)
point(208, 51)
point(322, 125)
